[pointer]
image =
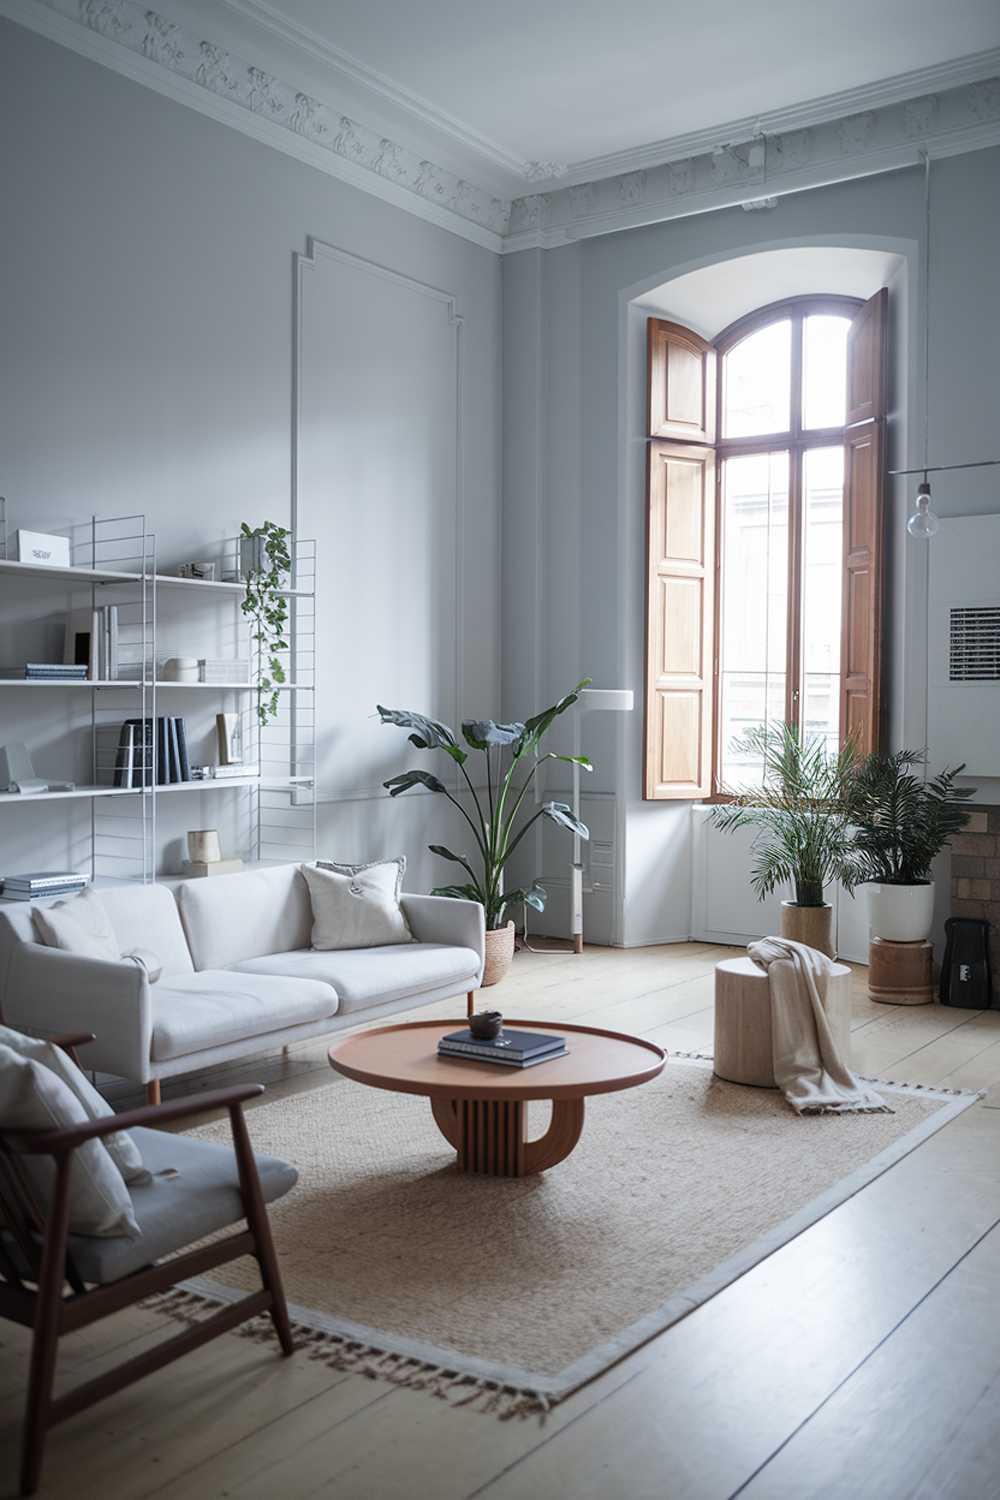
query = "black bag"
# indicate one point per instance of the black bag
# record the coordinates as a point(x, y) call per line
point(965, 973)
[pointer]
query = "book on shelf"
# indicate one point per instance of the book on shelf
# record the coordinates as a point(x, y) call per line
point(91, 641)
point(134, 756)
point(42, 880)
point(39, 671)
point(223, 773)
point(513, 1049)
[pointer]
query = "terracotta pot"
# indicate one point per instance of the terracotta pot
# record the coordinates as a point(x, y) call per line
point(901, 913)
point(499, 952)
point(812, 925)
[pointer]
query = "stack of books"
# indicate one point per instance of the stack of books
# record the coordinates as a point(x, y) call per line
point(92, 641)
point(45, 671)
point(42, 883)
point(513, 1049)
point(134, 758)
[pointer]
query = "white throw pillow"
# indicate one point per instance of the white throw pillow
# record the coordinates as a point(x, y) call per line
point(33, 1098)
point(370, 864)
point(356, 911)
point(120, 1147)
point(80, 925)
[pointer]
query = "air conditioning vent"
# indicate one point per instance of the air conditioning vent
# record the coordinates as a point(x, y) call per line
point(974, 644)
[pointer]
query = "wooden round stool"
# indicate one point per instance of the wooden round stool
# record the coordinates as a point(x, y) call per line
point(743, 1052)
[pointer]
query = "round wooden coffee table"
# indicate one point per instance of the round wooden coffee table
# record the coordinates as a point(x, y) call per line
point(480, 1108)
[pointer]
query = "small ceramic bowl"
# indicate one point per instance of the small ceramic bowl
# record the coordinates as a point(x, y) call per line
point(485, 1025)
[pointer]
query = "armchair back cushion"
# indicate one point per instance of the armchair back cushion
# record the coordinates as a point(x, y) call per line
point(32, 1098)
point(248, 915)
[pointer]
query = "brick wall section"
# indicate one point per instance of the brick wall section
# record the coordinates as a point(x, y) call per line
point(975, 876)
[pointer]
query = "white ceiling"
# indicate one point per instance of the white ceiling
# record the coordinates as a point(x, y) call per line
point(573, 81)
point(711, 298)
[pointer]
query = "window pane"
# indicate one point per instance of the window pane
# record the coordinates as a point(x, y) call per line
point(758, 382)
point(753, 604)
point(822, 574)
point(824, 371)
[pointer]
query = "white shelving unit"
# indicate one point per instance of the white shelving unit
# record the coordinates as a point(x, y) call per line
point(114, 561)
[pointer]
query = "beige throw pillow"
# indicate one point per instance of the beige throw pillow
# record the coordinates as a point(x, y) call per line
point(120, 1147)
point(356, 911)
point(80, 925)
point(32, 1098)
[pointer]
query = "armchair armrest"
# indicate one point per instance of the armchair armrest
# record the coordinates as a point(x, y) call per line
point(67, 1138)
point(448, 920)
point(51, 991)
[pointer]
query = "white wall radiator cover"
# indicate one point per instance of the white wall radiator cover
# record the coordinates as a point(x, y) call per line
point(963, 681)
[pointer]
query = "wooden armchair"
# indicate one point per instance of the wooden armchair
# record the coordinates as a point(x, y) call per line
point(55, 1282)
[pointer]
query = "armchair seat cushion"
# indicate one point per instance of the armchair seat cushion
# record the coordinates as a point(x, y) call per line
point(213, 1008)
point(374, 976)
point(199, 1195)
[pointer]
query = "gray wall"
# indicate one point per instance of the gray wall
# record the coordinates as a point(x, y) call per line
point(575, 562)
point(146, 326)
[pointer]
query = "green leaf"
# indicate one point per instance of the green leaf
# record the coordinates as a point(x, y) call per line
point(560, 813)
point(539, 724)
point(458, 859)
point(429, 734)
point(458, 892)
point(486, 734)
point(535, 897)
point(408, 779)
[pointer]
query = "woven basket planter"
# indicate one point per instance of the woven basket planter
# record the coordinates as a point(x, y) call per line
point(499, 952)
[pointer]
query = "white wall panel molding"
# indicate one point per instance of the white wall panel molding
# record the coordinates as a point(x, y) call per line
point(168, 55)
point(377, 478)
point(765, 165)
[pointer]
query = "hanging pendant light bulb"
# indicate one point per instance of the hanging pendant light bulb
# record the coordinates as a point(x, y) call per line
point(923, 523)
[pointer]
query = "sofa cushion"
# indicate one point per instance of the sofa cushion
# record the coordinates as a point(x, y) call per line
point(145, 916)
point(194, 1191)
point(375, 976)
point(231, 917)
point(78, 925)
point(213, 1009)
point(356, 911)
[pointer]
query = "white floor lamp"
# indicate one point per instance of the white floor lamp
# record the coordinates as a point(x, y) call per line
point(590, 700)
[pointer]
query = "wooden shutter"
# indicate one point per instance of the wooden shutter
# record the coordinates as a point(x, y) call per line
point(679, 621)
point(864, 525)
point(681, 383)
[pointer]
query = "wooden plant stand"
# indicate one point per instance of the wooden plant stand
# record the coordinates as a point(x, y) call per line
point(901, 973)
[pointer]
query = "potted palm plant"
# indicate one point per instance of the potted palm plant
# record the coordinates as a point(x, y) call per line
point(495, 821)
point(902, 822)
point(803, 837)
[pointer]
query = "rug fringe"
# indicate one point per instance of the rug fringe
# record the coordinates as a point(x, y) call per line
point(469, 1392)
point(894, 1083)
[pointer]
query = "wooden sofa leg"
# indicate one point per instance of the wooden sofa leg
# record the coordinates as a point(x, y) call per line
point(470, 1003)
point(153, 1091)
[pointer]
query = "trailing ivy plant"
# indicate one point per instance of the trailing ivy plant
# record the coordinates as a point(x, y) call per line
point(266, 607)
point(495, 821)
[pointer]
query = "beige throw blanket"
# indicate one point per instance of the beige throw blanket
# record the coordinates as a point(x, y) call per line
point(808, 1067)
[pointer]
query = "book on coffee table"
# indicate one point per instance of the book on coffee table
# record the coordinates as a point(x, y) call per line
point(512, 1049)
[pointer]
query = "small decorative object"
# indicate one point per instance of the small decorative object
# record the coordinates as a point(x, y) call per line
point(41, 548)
point(203, 846)
point(485, 1025)
point(17, 774)
point(802, 816)
point(903, 822)
point(965, 974)
point(181, 669)
point(194, 869)
point(201, 570)
point(223, 670)
point(494, 821)
point(265, 565)
point(229, 732)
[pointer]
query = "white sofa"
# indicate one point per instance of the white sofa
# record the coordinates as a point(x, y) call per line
point(239, 976)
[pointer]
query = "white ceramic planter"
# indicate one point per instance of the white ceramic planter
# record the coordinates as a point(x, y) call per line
point(901, 913)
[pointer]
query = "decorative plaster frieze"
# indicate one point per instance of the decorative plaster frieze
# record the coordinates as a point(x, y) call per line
point(764, 167)
point(175, 46)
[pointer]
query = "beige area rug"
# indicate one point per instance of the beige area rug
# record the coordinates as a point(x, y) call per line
point(509, 1294)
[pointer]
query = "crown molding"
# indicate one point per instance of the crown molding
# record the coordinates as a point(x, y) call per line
point(480, 150)
point(870, 96)
point(150, 48)
point(763, 166)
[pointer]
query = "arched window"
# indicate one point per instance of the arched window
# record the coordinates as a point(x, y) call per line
point(766, 454)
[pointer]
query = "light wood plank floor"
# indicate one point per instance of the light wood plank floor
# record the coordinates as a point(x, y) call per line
point(861, 1360)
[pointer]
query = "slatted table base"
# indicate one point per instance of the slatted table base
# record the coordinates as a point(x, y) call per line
point(490, 1135)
